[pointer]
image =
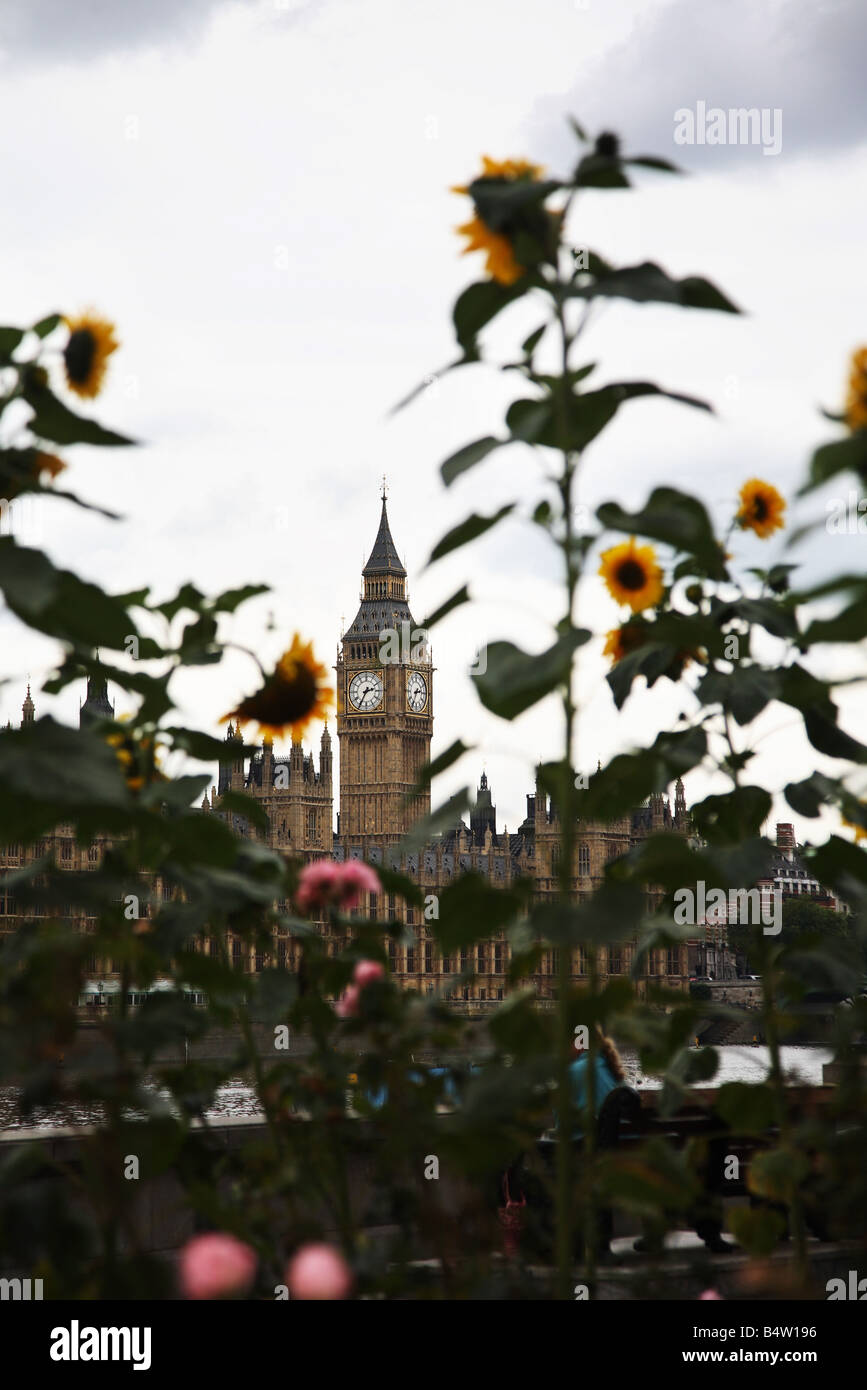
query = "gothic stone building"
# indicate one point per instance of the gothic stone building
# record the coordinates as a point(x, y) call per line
point(385, 712)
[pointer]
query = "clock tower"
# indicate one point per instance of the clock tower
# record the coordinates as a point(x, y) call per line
point(384, 705)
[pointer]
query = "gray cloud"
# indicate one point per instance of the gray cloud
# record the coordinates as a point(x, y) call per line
point(52, 29)
point(806, 59)
point(47, 30)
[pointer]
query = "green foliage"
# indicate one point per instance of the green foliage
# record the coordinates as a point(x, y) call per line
point(732, 637)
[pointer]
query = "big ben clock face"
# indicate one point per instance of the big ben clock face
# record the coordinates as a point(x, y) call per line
point(416, 691)
point(365, 691)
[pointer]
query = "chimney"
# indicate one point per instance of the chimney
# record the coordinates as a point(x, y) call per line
point(785, 838)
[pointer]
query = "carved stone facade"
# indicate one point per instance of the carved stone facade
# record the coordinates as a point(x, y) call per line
point(385, 711)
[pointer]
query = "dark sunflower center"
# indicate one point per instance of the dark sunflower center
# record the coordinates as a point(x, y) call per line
point(79, 354)
point(607, 145)
point(295, 697)
point(282, 699)
point(630, 575)
point(760, 508)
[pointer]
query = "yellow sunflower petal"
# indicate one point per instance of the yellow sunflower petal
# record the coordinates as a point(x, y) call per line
point(632, 575)
point(761, 508)
point(856, 399)
point(292, 697)
point(85, 358)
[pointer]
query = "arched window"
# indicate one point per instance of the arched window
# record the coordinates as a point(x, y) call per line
point(583, 859)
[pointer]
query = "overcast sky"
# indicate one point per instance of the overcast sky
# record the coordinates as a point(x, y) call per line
point(257, 194)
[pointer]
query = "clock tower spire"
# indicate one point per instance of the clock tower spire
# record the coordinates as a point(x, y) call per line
point(384, 704)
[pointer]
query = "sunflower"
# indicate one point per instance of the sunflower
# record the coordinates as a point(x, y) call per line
point(860, 832)
point(292, 696)
point(504, 169)
point(501, 263)
point(139, 758)
point(85, 357)
point(623, 640)
point(46, 463)
point(856, 400)
point(632, 575)
point(761, 508)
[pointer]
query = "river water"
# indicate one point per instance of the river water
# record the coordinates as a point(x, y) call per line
point(236, 1098)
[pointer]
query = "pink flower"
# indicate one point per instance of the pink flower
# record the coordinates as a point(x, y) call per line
point(347, 1007)
point(318, 885)
point(215, 1266)
point(366, 971)
point(325, 883)
point(356, 878)
point(708, 1295)
point(318, 1271)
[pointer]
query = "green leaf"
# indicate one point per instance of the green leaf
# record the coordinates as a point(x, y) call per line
point(231, 599)
point(630, 778)
point(202, 746)
point(611, 915)
point(9, 340)
point(439, 764)
point(198, 641)
point(745, 690)
point(825, 734)
point(746, 1109)
point(53, 420)
point(393, 881)
point(58, 603)
point(586, 413)
point(465, 360)
point(811, 795)
point(479, 304)
point(850, 625)
point(675, 518)
point(471, 909)
point(600, 171)
point(729, 818)
point(840, 864)
point(530, 421)
point(462, 595)
point(529, 345)
point(46, 325)
point(513, 206)
point(649, 283)
point(188, 596)
point(776, 1173)
point(179, 794)
point(514, 679)
point(843, 455)
point(446, 817)
point(275, 991)
point(246, 806)
point(653, 660)
point(468, 457)
point(652, 161)
point(467, 531)
point(757, 1229)
point(49, 772)
point(768, 613)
